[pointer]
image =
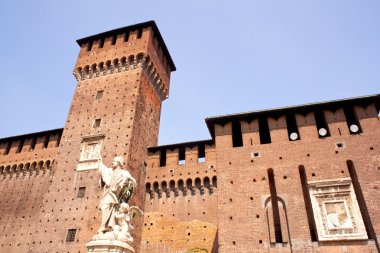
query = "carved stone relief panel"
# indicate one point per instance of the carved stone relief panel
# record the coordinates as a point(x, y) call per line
point(90, 152)
point(336, 210)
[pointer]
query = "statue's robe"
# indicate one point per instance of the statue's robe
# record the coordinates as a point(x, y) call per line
point(112, 181)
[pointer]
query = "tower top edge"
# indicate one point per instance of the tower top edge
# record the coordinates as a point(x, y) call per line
point(152, 24)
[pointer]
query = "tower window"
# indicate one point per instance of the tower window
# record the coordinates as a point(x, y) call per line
point(20, 146)
point(163, 158)
point(99, 94)
point(89, 46)
point(46, 141)
point(139, 33)
point(292, 127)
point(181, 156)
point(8, 148)
point(81, 192)
point(352, 121)
point(237, 137)
point(264, 131)
point(101, 43)
point(322, 126)
point(33, 144)
point(201, 154)
point(126, 36)
point(70, 237)
point(113, 40)
point(97, 123)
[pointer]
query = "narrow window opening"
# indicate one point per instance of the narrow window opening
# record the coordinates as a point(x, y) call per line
point(237, 137)
point(139, 33)
point(8, 148)
point(97, 123)
point(89, 46)
point(163, 158)
point(33, 144)
point(70, 237)
point(264, 131)
point(126, 36)
point(181, 156)
point(113, 40)
point(81, 192)
point(361, 201)
point(292, 127)
point(101, 43)
point(46, 141)
point(307, 200)
point(201, 154)
point(352, 121)
point(20, 145)
point(276, 212)
point(99, 94)
point(322, 126)
point(59, 139)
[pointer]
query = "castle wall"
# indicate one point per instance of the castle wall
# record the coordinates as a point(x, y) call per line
point(181, 201)
point(246, 221)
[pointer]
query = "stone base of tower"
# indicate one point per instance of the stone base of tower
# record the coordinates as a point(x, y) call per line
point(108, 246)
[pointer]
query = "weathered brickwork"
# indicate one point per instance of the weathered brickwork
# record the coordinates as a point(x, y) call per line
point(253, 187)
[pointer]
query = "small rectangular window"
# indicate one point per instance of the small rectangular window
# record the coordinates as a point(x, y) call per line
point(97, 123)
point(99, 94)
point(264, 131)
point(70, 237)
point(89, 46)
point(113, 40)
point(237, 137)
point(81, 192)
point(101, 43)
point(33, 144)
point(6, 151)
point(20, 146)
point(46, 141)
point(163, 158)
point(201, 154)
point(182, 156)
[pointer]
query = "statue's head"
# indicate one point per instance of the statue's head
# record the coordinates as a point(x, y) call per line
point(118, 161)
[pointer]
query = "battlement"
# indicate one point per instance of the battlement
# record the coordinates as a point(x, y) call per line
point(124, 50)
point(29, 153)
point(326, 119)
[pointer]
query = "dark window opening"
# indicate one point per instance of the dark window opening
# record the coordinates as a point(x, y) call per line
point(97, 123)
point(59, 139)
point(99, 94)
point(139, 33)
point(322, 126)
point(361, 201)
point(237, 137)
point(181, 156)
point(308, 206)
point(291, 125)
point(89, 46)
point(113, 40)
point(46, 141)
point(70, 237)
point(101, 43)
point(201, 153)
point(264, 131)
point(33, 144)
point(352, 121)
point(81, 192)
point(163, 158)
point(20, 145)
point(8, 148)
point(214, 182)
point(276, 212)
point(126, 36)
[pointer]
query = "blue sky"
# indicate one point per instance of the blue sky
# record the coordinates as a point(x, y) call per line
point(231, 56)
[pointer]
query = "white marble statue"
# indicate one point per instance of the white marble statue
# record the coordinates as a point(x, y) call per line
point(118, 186)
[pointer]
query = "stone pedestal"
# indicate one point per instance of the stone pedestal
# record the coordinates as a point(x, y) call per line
point(108, 246)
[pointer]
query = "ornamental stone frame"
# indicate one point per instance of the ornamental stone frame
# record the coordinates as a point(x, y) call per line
point(336, 211)
point(90, 152)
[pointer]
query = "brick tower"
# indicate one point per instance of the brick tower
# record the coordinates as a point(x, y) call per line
point(123, 77)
